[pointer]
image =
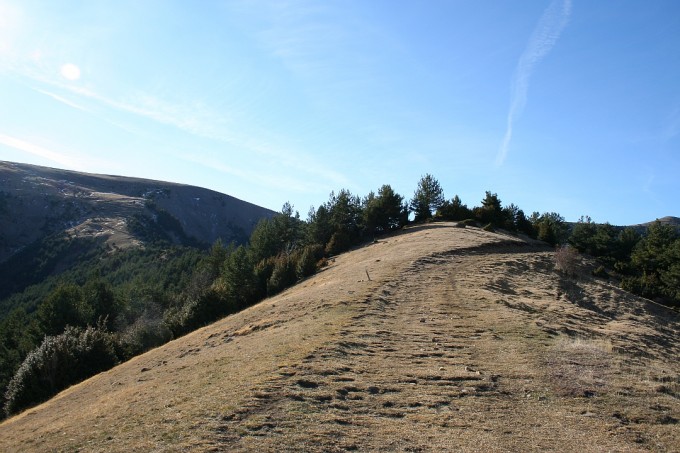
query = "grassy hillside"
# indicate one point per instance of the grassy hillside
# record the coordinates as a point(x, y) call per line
point(436, 338)
point(131, 247)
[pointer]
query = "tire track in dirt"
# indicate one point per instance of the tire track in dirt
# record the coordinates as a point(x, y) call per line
point(420, 362)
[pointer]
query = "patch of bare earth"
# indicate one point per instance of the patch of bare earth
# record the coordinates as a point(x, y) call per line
point(436, 339)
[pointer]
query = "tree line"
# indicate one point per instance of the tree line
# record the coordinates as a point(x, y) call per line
point(137, 300)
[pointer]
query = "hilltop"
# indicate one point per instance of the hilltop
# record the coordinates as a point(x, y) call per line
point(668, 220)
point(434, 338)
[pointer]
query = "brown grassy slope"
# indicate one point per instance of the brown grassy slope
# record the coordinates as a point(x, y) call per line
point(462, 340)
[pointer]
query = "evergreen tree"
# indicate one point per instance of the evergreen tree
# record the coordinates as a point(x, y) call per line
point(385, 212)
point(523, 224)
point(346, 214)
point(239, 279)
point(427, 198)
point(65, 306)
point(212, 264)
point(98, 294)
point(283, 232)
point(491, 210)
point(650, 254)
point(550, 227)
point(582, 235)
point(319, 228)
point(454, 210)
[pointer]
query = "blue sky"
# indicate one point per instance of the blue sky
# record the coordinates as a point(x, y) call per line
point(570, 106)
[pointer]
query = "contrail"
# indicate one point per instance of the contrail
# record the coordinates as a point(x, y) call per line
point(541, 42)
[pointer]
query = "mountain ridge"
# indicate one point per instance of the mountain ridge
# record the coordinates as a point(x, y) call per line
point(434, 338)
point(39, 201)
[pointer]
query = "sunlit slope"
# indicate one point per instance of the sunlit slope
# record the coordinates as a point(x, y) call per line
point(37, 202)
point(439, 338)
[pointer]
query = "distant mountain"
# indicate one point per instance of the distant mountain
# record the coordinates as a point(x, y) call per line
point(642, 227)
point(51, 219)
point(38, 201)
point(669, 220)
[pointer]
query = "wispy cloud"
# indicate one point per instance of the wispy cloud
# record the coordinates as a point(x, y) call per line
point(61, 99)
point(542, 40)
point(222, 123)
point(198, 119)
point(39, 151)
point(261, 176)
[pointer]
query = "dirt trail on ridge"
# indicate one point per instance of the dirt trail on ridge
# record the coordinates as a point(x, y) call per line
point(436, 339)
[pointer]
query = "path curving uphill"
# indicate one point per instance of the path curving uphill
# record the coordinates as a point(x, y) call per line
point(435, 339)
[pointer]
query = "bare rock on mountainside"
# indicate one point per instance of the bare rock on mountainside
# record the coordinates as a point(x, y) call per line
point(461, 340)
point(36, 202)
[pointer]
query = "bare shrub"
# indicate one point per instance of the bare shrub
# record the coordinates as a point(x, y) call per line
point(566, 260)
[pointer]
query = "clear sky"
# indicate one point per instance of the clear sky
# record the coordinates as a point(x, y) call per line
point(570, 106)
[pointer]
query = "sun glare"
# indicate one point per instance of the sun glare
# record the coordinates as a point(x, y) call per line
point(70, 71)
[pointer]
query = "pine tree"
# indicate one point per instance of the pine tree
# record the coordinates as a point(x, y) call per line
point(427, 198)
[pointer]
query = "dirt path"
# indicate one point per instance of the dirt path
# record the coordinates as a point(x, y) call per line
point(440, 359)
point(461, 340)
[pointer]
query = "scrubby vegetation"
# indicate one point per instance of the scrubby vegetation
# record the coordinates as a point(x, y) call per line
point(647, 264)
point(58, 362)
point(141, 298)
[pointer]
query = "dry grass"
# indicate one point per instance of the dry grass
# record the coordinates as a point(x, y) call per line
point(581, 367)
point(462, 340)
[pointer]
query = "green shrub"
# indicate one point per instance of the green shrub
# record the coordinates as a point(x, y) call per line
point(263, 272)
point(601, 272)
point(283, 275)
point(489, 227)
point(147, 332)
point(306, 263)
point(340, 242)
point(58, 362)
point(205, 308)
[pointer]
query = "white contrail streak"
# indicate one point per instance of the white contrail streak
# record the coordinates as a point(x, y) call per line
point(30, 148)
point(544, 37)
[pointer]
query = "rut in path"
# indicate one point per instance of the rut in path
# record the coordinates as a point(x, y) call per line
point(398, 356)
point(428, 359)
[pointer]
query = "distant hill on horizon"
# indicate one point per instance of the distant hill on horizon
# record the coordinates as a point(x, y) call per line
point(39, 201)
point(668, 220)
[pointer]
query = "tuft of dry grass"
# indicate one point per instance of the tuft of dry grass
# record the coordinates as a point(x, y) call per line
point(581, 367)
